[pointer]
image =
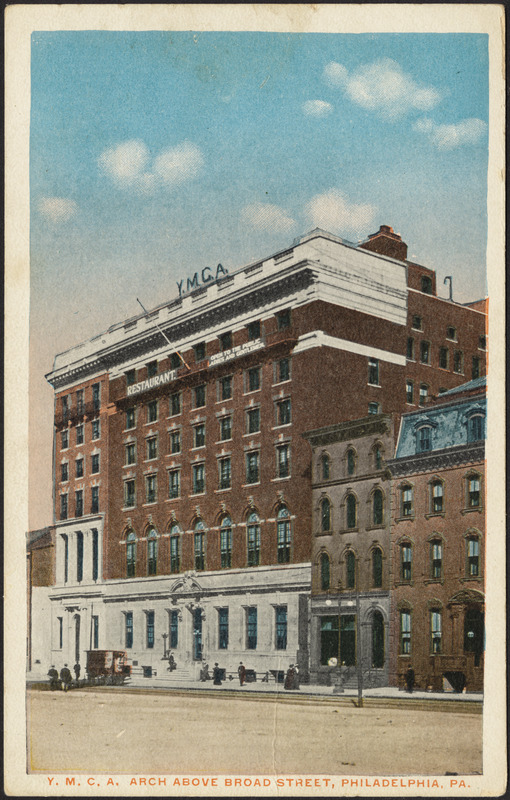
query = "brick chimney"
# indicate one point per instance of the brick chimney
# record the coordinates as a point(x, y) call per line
point(387, 243)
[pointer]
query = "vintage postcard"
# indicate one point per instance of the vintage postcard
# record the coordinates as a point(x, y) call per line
point(254, 531)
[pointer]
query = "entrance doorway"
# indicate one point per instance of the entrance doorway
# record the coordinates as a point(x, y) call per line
point(197, 634)
point(348, 640)
point(377, 640)
point(473, 633)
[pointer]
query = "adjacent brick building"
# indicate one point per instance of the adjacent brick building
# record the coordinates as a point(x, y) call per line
point(182, 480)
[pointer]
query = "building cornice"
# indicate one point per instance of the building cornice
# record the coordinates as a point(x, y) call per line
point(371, 425)
point(438, 459)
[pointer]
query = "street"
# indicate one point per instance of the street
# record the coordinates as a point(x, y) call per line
point(114, 731)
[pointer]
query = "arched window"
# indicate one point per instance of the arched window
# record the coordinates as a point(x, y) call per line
point(131, 554)
point(283, 535)
point(226, 543)
point(351, 511)
point(377, 640)
point(377, 567)
point(378, 457)
point(436, 559)
point(199, 544)
point(325, 514)
point(437, 497)
point(350, 566)
point(424, 439)
point(325, 467)
point(351, 461)
point(472, 556)
point(436, 631)
point(406, 562)
point(476, 428)
point(406, 500)
point(473, 491)
point(426, 284)
point(253, 541)
point(152, 552)
point(377, 507)
point(325, 571)
point(175, 532)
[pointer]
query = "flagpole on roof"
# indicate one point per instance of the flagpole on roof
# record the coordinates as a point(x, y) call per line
point(162, 332)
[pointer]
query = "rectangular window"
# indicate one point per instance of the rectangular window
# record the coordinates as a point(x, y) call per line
point(473, 558)
point(130, 418)
point(150, 629)
point(129, 494)
point(174, 554)
point(66, 557)
point(253, 330)
point(226, 341)
point(94, 500)
point(482, 343)
point(175, 361)
point(94, 462)
point(283, 412)
point(417, 323)
point(281, 627)
point(405, 633)
point(175, 442)
point(152, 369)
point(282, 370)
point(199, 396)
point(95, 632)
point(78, 503)
point(174, 629)
point(174, 483)
point(129, 629)
point(251, 628)
point(79, 434)
point(436, 560)
point(424, 393)
point(222, 628)
point(152, 411)
point(226, 546)
point(60, 621)
point(443, 357)
point(64, 472)
point(78, 467)
point(373, 371)
point(406, 562)
point(131, 453)
point(373, 408)
point(151, 485)
point(435, 631)
point(199, 435)
point(80, 402)
point(283, 461)
point(79, 556)
point(425, 352)
point(63, 506)
point(96, 429)
point(198, 478)
point(410, 348)
point(473, 492)
point(199, 548)
point(407, 501)
point(152, 447)
point(225, 428)
point(253, 542)
point(199, 350)
point(424, 439)
point(225, 388)
point(283, 319)
point(252, 467)
point(475, 368)
point(225, 473)
point(476, 428)
point(458, 362)
point(409, 392)
point(253, 420)
point(65, 407)
point(130, 377)
point(253, 383)
point(451, 333)
point(64, 443)
point(96, 396)
point(95, 555)
point(283, 539)
point(175, 404)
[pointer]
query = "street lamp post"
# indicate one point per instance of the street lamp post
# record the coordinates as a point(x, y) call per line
point(359, 651)
point(165, 651)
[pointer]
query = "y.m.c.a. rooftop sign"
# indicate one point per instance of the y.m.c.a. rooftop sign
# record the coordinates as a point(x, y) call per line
point(200, 278)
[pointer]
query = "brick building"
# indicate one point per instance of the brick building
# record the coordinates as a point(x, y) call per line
point(438, 536)
point(183, 482)
point(351, 550)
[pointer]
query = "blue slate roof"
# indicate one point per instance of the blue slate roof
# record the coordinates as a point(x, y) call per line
point(470, 386)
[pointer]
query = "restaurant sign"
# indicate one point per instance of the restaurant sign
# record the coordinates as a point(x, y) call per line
point(158, 380)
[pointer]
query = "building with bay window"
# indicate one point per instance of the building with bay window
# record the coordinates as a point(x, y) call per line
point(183, 484)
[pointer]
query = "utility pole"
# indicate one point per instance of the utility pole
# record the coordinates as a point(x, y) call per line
point(359, 666)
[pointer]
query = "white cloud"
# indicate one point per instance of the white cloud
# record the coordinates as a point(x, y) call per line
point(316, 108)
point(335, 213)
point(129, 164)
point(383, 87)
point(267, 217)
point(57, 209)
point(446, 137)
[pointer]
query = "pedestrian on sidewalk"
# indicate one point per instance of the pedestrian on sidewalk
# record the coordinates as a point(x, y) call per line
point(77, 670)
point(65, 677)
point(216, 675)
point(410, 679)
point(171, 663)
point(289, 678)
point(53, 676)
point(241, 671)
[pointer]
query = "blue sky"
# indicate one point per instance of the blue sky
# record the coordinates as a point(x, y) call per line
point(154, 154)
